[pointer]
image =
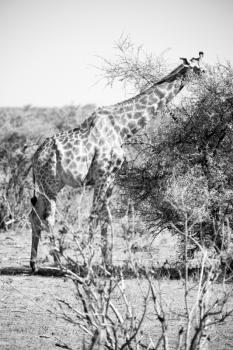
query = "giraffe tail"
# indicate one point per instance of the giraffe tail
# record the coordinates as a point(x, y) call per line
point(34, 198)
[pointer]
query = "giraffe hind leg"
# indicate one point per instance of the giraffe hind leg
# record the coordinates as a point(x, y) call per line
point(42, 217)
point(36, 218)
point(50, 222)
point(44, 207)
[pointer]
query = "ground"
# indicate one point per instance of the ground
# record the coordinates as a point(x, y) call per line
point(31, 318)
point(28, 314)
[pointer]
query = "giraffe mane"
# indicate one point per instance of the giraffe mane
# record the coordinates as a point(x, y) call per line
point(173, 75)
point(180, 70)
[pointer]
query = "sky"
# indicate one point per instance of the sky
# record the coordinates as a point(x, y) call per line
point(50, 48)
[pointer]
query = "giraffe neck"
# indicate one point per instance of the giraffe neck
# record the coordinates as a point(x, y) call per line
point(138, 111)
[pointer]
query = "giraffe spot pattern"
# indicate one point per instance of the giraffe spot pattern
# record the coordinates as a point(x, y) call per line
point(124, 132)
point(152, 99)
point(170, 96)
point(72, 165)
point(69, 154)
point(88, 145)
point(143, 100)
point(132, 126)
point(137, 115)
point(139, 106)
point(101, 172)
point(142, 122)
point(65, 140)
point(104, 111)
point(124, 120)
point(170, 86)
point(67, 161)
point(94, 138)
point(84, 125)
point(120, 110)
point(96, 133)
point(118, 162)
point(161, 104)
point(68, 145)
point(159, 93)
point(151, 110)
point(111, 119)
point(117, 128)
point(76, 130)
point(128, 108)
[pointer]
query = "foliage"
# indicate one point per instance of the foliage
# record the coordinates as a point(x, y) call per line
point(132, 66)
point(181, 166)
point(180, 177)
point(107, 312)
point(186, 169)
point(14, 169)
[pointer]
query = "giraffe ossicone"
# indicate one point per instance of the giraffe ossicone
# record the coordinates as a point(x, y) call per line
point(92, 153)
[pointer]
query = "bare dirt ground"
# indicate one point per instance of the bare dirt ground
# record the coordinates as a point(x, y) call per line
point(30, 316)
point(28, 303)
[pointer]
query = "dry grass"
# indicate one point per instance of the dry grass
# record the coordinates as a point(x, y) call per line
point(31, 318)
point(30, 314)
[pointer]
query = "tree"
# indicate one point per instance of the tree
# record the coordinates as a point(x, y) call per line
point(181, 168)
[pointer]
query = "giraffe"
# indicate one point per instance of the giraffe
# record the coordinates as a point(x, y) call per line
point(92, 153)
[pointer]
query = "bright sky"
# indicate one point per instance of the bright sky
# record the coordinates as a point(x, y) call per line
point(49, 47)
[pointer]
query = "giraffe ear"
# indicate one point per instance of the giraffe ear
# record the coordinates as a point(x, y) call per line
point(201, 54)
point(185, 61)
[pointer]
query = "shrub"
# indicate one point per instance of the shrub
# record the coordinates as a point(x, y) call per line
point(186, 168)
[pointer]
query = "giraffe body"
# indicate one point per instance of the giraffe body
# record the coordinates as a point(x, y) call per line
point(92, 153)
point(77, 157)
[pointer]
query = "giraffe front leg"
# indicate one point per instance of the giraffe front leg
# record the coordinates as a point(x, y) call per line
point(100, 212)
point(93, 223)
point(94, 215)
point(106, 222)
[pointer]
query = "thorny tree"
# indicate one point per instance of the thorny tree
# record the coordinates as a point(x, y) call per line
point(190, 146)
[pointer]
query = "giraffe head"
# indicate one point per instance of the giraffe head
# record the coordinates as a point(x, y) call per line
point(194, 64)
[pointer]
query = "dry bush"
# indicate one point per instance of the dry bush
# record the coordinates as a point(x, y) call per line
point(15, 184)
point(21, 132)
point(132, 66)
point(180, 178)
point(109, 318)
point(106, 313)
point(192, 139)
